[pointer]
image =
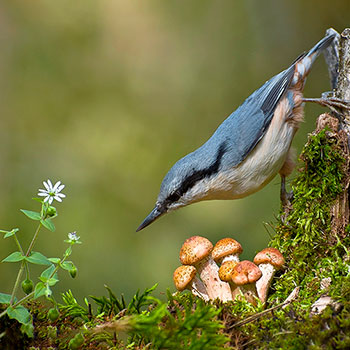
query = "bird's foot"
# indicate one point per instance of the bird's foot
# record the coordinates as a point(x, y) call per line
point(286, 199)
point(335, 104)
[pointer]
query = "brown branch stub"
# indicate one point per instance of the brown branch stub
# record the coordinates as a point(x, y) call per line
point(340, 209)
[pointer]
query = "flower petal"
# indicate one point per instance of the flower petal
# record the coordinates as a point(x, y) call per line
point(50, 184)
point(61, 195)
point(42, 194)
point(58, 199)
point(57, 184)
point(59, 189)
point(46, 186)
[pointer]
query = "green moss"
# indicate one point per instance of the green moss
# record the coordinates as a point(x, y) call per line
point(313, 252)
point(304, 235)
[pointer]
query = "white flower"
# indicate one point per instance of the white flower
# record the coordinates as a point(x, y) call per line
point(73, 236)
point(51, 192)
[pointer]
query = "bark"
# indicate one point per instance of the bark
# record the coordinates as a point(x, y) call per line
point(338, 61)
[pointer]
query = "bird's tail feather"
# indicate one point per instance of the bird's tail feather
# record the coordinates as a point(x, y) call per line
point(321, 45)
point(304, 62)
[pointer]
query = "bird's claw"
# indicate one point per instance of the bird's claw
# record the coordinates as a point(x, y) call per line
point(335, 104)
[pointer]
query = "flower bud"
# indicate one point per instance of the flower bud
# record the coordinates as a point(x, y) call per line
point(27, 286)
point(73, 271)
point(53, 314)
point(76, 342)
point(51, 211)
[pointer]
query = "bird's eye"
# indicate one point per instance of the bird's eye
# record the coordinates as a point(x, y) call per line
point(174, 197)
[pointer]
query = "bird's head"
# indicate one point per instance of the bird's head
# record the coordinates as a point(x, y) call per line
point(173, 191)
point(186, 182)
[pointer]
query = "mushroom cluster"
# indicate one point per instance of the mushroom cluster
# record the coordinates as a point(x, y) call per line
point(217, 273)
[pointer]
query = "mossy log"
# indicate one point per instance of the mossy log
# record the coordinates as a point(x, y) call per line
point(313, 234)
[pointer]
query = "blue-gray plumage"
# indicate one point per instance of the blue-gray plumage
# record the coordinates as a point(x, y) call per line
point(248, 149)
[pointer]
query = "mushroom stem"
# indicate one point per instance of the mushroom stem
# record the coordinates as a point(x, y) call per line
point(198, 289)
point(209, 274)
point(264, 283)
point(249, 292)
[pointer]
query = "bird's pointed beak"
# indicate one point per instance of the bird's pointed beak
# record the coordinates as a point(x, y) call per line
point(152, 216)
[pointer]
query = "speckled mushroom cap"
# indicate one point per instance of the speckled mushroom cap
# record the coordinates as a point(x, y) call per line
point(245, 272)
point(224, 247)
point(195, 249)
point(226, 270)
point(270, 256)
point(183, 275)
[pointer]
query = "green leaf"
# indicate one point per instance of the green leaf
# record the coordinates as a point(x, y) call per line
point(48, 292)
point(19, 313)
point(38, 258)
point(38, 200)
point(28, 329)
point(55, 260)
point(67, 265)
point(53, 280)
point(31, 214)
point(46, 274)
point(48, 224)
point(9, 233)
point(5, 298)
point(14, 257)
point(39, 290)
point(68, 251)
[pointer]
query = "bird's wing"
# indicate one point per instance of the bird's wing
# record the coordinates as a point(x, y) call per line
point(246, 126)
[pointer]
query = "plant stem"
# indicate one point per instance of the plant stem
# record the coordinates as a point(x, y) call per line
point(27, 297)
point(27, 269)
point(18, 244)
point(30, 295)
point(23, 264)
point(34, 239)
point(19, 275)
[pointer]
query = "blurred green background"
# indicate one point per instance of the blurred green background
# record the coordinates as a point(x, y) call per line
point(106, 95)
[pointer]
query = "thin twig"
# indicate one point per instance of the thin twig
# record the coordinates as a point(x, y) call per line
point(262, 313)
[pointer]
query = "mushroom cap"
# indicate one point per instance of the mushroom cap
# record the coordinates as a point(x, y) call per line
point(270, 256)
point(224, 247)
point(245, 272)
point(183, 276)
point(195, 249)
point(226, 270)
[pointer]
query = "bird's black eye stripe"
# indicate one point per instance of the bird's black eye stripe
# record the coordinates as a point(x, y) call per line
point(198, 175)
point(174, 197)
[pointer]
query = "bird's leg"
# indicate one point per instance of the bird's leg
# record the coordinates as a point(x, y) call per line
point(285, 171)
point(333, 103)
point(285, 196)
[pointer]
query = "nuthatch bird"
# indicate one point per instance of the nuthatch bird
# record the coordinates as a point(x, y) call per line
point(248, 149)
